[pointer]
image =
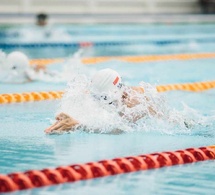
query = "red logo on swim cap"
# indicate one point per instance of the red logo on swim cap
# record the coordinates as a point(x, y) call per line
point(116, 80)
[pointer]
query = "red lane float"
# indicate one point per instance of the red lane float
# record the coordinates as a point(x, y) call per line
point(46, 177)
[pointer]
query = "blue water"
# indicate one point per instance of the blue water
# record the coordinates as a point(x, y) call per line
point(24, 146)
point(156, 73)
point(147, 39)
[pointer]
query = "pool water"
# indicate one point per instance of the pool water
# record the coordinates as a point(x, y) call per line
point(24, 146)
point(110, 40)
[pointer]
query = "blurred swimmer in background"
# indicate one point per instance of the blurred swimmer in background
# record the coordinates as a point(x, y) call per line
point(15, 68)
point(41, 19)
point(43, 29)
point(122, 103)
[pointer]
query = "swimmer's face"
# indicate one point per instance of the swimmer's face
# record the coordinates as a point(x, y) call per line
point(41, 22)
point(110, 97)
point(104, 98)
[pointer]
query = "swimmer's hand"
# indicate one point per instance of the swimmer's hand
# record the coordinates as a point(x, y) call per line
point(38, 67)
point(63, 123)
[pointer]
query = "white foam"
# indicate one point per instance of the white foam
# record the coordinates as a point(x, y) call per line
point(101, 117)
point(72, 65)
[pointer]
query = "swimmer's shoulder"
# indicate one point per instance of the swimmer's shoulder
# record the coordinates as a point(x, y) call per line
point(138, 89)
point(128, 91)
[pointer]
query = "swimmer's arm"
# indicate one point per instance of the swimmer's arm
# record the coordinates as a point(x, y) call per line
point(38, 67)
point(138, 89)
point(132, 102)
point(66, 123)
point(131, 99)
point(132, 117)
point(150, 108)
point(116, 131)
point(63, 123)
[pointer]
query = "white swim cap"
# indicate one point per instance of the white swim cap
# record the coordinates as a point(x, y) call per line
point(17, 61)
point(106, 81)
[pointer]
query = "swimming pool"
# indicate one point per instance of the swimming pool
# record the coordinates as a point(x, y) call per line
point(111, 40)
point(24, 146)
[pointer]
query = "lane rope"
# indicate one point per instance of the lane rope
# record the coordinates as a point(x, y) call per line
point(71, 173)
point(133, 59)
point(195, 87)
point(38, 96)
point(107, 43)
point(29, 96)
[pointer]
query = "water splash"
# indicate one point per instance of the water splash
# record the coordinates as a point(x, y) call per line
point(71, 65)
point(2, 58)
point(2, 65)
point(80, 104)
point(99, 116)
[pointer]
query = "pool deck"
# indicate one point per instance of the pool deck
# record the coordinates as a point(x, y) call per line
point(110, 18)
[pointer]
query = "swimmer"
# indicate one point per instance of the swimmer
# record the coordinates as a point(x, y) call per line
point(107, 87)
point(17, 69)
point(41, 19)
